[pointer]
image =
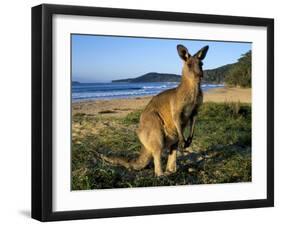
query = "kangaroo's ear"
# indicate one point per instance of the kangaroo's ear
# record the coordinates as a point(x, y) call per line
point(202, 53)
point(183, 52)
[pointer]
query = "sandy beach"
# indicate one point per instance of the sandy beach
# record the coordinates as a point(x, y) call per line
point(121, 107)
point(229, 95)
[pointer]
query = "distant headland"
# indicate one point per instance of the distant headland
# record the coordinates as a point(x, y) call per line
point(152, 77)
point(215, 76)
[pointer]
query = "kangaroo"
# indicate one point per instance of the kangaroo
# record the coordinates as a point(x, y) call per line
point(165, 117)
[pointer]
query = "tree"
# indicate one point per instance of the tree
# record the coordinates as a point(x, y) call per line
point(241, 72)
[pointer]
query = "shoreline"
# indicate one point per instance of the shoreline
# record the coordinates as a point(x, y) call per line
point(121, 107)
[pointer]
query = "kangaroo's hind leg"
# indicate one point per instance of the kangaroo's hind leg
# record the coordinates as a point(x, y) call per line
point(172, 160)
point(152, 138)
point(157, 162)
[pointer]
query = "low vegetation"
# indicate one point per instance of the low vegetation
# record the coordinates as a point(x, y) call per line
point(220, 152)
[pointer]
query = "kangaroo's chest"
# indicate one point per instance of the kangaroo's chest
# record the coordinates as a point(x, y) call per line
point(194, 102)
point(187, 110)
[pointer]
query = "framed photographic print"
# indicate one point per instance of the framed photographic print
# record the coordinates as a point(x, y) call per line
point(145, 112)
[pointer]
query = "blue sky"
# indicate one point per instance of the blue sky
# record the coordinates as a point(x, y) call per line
point(105, 58)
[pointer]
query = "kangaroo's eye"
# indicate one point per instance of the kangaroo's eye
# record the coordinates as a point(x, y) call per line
point(200, 64)
point(189, 64)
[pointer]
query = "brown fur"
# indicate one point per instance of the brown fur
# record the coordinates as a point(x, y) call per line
point(167, 115)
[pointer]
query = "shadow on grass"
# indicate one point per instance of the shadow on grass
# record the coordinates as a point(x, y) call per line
point(217, 164)
point(223, 164)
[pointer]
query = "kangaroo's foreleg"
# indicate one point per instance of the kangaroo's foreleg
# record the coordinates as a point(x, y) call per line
point(177, 122)
point(191, 132)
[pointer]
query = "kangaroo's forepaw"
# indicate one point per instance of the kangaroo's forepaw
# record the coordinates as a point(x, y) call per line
point(187, 143)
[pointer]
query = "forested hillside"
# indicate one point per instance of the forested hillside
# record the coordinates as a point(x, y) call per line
point(240, 74)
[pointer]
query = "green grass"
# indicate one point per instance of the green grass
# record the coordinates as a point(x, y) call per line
point(220, 152)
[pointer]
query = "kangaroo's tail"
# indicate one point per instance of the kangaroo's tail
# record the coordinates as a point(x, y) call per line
point(136, 164)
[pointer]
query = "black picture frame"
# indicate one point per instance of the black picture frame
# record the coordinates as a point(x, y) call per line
point(42, 111)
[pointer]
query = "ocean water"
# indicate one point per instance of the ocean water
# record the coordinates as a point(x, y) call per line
point(98, 91)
